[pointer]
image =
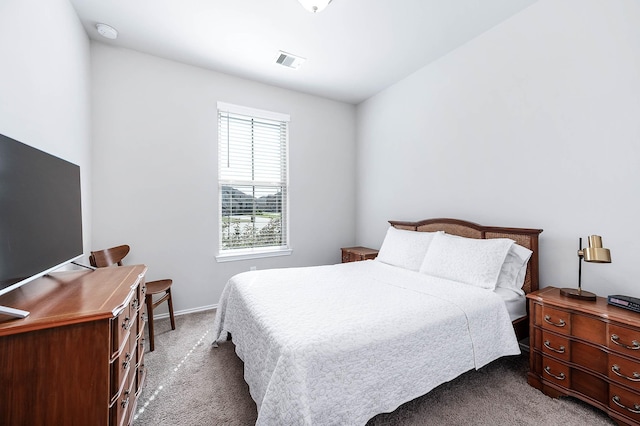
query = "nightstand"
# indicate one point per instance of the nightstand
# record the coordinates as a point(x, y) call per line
point(587, 350)
point(355, 254)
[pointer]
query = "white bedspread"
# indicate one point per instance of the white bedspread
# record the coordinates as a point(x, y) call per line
point(338, 344)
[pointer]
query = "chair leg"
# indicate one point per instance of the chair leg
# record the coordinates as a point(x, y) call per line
point(149, 302)
point(170, 302)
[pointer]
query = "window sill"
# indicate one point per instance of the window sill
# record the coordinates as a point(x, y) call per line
point(252, 254)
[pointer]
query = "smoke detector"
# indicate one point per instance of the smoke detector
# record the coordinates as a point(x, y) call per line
point(107, 31)
point(289, 60)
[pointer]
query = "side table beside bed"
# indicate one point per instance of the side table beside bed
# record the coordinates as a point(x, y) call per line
point(356, 254)
point(588, 350)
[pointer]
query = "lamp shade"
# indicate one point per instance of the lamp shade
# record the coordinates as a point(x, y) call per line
point(596, 253)
point(314, 6)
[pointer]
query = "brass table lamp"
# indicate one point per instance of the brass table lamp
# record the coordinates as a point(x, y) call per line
point(596, 254)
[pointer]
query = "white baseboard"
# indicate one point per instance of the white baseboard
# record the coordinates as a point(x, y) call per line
point(187, 311)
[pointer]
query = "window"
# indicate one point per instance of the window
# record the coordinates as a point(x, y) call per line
point(253, 183)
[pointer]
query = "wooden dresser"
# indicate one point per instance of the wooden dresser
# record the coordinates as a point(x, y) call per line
point(588, 350)
point(77, 359)
point(355, 254)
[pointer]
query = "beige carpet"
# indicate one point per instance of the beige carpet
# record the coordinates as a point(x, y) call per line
point(191, 383)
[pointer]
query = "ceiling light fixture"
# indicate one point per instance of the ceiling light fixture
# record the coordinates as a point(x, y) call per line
point(107, 31)
point(314, 6)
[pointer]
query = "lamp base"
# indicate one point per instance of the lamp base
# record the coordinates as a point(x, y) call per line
point(577, 293)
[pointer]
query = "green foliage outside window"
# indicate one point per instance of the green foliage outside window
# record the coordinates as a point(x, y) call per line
point(242, 233)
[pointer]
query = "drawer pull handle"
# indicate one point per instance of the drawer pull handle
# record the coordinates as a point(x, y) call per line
point(125, 401)
point(616, 369)
point(547, 345)
point(635, 347)
point(561, 323)
point(634, 410)
point(547, 370)
point(127, 361)
point(126, 324)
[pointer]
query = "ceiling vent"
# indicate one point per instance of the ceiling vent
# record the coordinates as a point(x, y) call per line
point(289, 60)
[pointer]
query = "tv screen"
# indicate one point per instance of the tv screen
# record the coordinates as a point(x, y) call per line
point(40, 213)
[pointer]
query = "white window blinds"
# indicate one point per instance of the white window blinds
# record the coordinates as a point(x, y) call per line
point(252, 152)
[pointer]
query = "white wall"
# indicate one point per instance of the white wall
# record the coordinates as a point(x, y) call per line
point(533, 124)
point(155, 169)
point(44, 84)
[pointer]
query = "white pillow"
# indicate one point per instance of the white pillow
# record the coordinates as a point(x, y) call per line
point(405, 249)
point(468, 260)
point(514, 268)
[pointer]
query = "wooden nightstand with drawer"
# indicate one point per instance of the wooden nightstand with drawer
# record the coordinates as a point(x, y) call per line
point(588, 350)
point(355, 254)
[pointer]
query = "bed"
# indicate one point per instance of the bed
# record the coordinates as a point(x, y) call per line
point(338, 344)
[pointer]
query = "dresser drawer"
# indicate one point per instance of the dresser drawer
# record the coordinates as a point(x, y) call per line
point(556, 320)
point(120, 412)
point(556, 372)
point(140, 362)
point(624, 340)
point(120, 328)
point(141, 375)
point(589, 329)
point(120, 370)
point(137, 300)
point(140, 343)
point(141, 292)
point(555, 345)
point(355, 257)
point(624, 371)
point(625, 402)
point(135, 310)
point(589, 356)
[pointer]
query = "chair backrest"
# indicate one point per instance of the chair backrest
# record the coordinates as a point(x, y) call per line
point(108, 257)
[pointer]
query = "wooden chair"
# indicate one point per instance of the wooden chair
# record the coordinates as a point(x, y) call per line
point(114, 256)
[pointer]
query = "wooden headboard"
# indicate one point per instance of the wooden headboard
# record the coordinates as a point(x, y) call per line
point(525, 237)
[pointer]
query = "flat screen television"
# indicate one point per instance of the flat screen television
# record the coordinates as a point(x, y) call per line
point(40, 215)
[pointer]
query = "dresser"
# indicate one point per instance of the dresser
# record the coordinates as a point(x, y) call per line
point(78, 358)
point(355, 254)
point(588, 350)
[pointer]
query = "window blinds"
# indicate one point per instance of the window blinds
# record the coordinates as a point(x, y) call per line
point(252, 152)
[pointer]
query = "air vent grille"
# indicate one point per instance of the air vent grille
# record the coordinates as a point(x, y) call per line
point(289, 60)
